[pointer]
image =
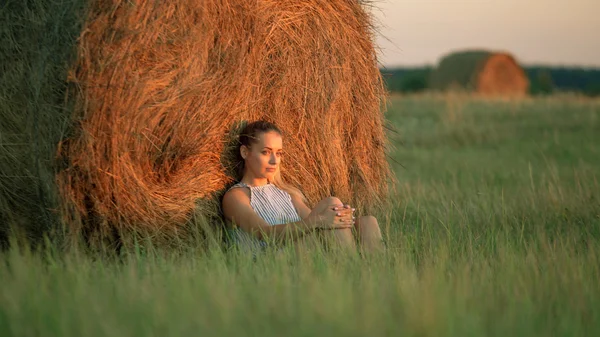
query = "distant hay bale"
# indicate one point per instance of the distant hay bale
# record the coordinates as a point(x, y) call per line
point(483, 72)
point(163, 84)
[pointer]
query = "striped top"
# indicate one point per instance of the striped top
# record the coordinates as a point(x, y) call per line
point(270, 203)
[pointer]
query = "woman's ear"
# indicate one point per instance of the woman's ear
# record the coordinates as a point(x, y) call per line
point(244, 151)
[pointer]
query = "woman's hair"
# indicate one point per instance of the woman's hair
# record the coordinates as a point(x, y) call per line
point(248, 136)
point(250, 133)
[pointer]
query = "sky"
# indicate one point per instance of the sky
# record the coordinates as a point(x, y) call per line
point(544, 32)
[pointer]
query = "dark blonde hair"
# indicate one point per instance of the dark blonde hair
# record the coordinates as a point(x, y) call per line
point(248, 136)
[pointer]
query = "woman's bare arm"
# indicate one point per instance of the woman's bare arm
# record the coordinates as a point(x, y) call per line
point(331, 203)
point(301, 208)
point(237, 209)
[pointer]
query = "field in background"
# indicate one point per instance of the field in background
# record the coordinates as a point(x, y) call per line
point(494, 230)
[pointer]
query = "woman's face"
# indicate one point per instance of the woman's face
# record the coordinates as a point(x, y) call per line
point(263, 157)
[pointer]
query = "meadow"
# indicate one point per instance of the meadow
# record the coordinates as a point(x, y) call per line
point(493, 230)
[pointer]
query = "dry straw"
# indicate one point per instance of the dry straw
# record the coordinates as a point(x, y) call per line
point(502, 75)
point(162, 84)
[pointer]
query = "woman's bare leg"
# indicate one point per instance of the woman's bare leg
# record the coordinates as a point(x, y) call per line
point(369, 234)
point(341, 237)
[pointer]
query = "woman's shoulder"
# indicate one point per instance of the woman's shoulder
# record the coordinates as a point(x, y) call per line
point(235, 198)
point(237, 191)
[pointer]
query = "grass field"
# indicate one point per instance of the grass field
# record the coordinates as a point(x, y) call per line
point(494, 231)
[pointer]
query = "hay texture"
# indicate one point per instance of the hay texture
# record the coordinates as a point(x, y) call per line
point(163, 84)
point(483, 72)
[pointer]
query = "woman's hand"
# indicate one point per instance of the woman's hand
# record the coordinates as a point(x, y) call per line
point(335, 216)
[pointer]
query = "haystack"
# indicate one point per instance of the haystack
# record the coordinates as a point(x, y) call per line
point(483, 72)
point(162, 86)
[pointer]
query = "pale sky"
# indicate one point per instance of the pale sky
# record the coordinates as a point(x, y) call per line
point(549, 32)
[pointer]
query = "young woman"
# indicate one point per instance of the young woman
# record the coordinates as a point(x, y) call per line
point(262, 208)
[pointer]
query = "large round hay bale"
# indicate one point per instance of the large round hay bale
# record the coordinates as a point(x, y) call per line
point(483, 72)
point(162, 85)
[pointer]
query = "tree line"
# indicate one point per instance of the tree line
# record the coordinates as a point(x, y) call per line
point(543, 80)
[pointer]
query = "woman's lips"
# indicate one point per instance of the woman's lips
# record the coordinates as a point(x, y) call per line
point(270, 169)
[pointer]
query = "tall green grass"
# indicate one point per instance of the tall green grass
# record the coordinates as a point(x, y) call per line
point(495, 231)
point(37, 39)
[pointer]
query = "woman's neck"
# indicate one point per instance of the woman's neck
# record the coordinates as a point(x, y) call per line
point(254, 182)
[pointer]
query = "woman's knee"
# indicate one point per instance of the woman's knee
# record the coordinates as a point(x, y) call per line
point(326, 202)
point(332, 201)
point(367, 223)
point(368, 219)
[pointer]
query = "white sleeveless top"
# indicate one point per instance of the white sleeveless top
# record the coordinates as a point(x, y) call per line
point(270, 203)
